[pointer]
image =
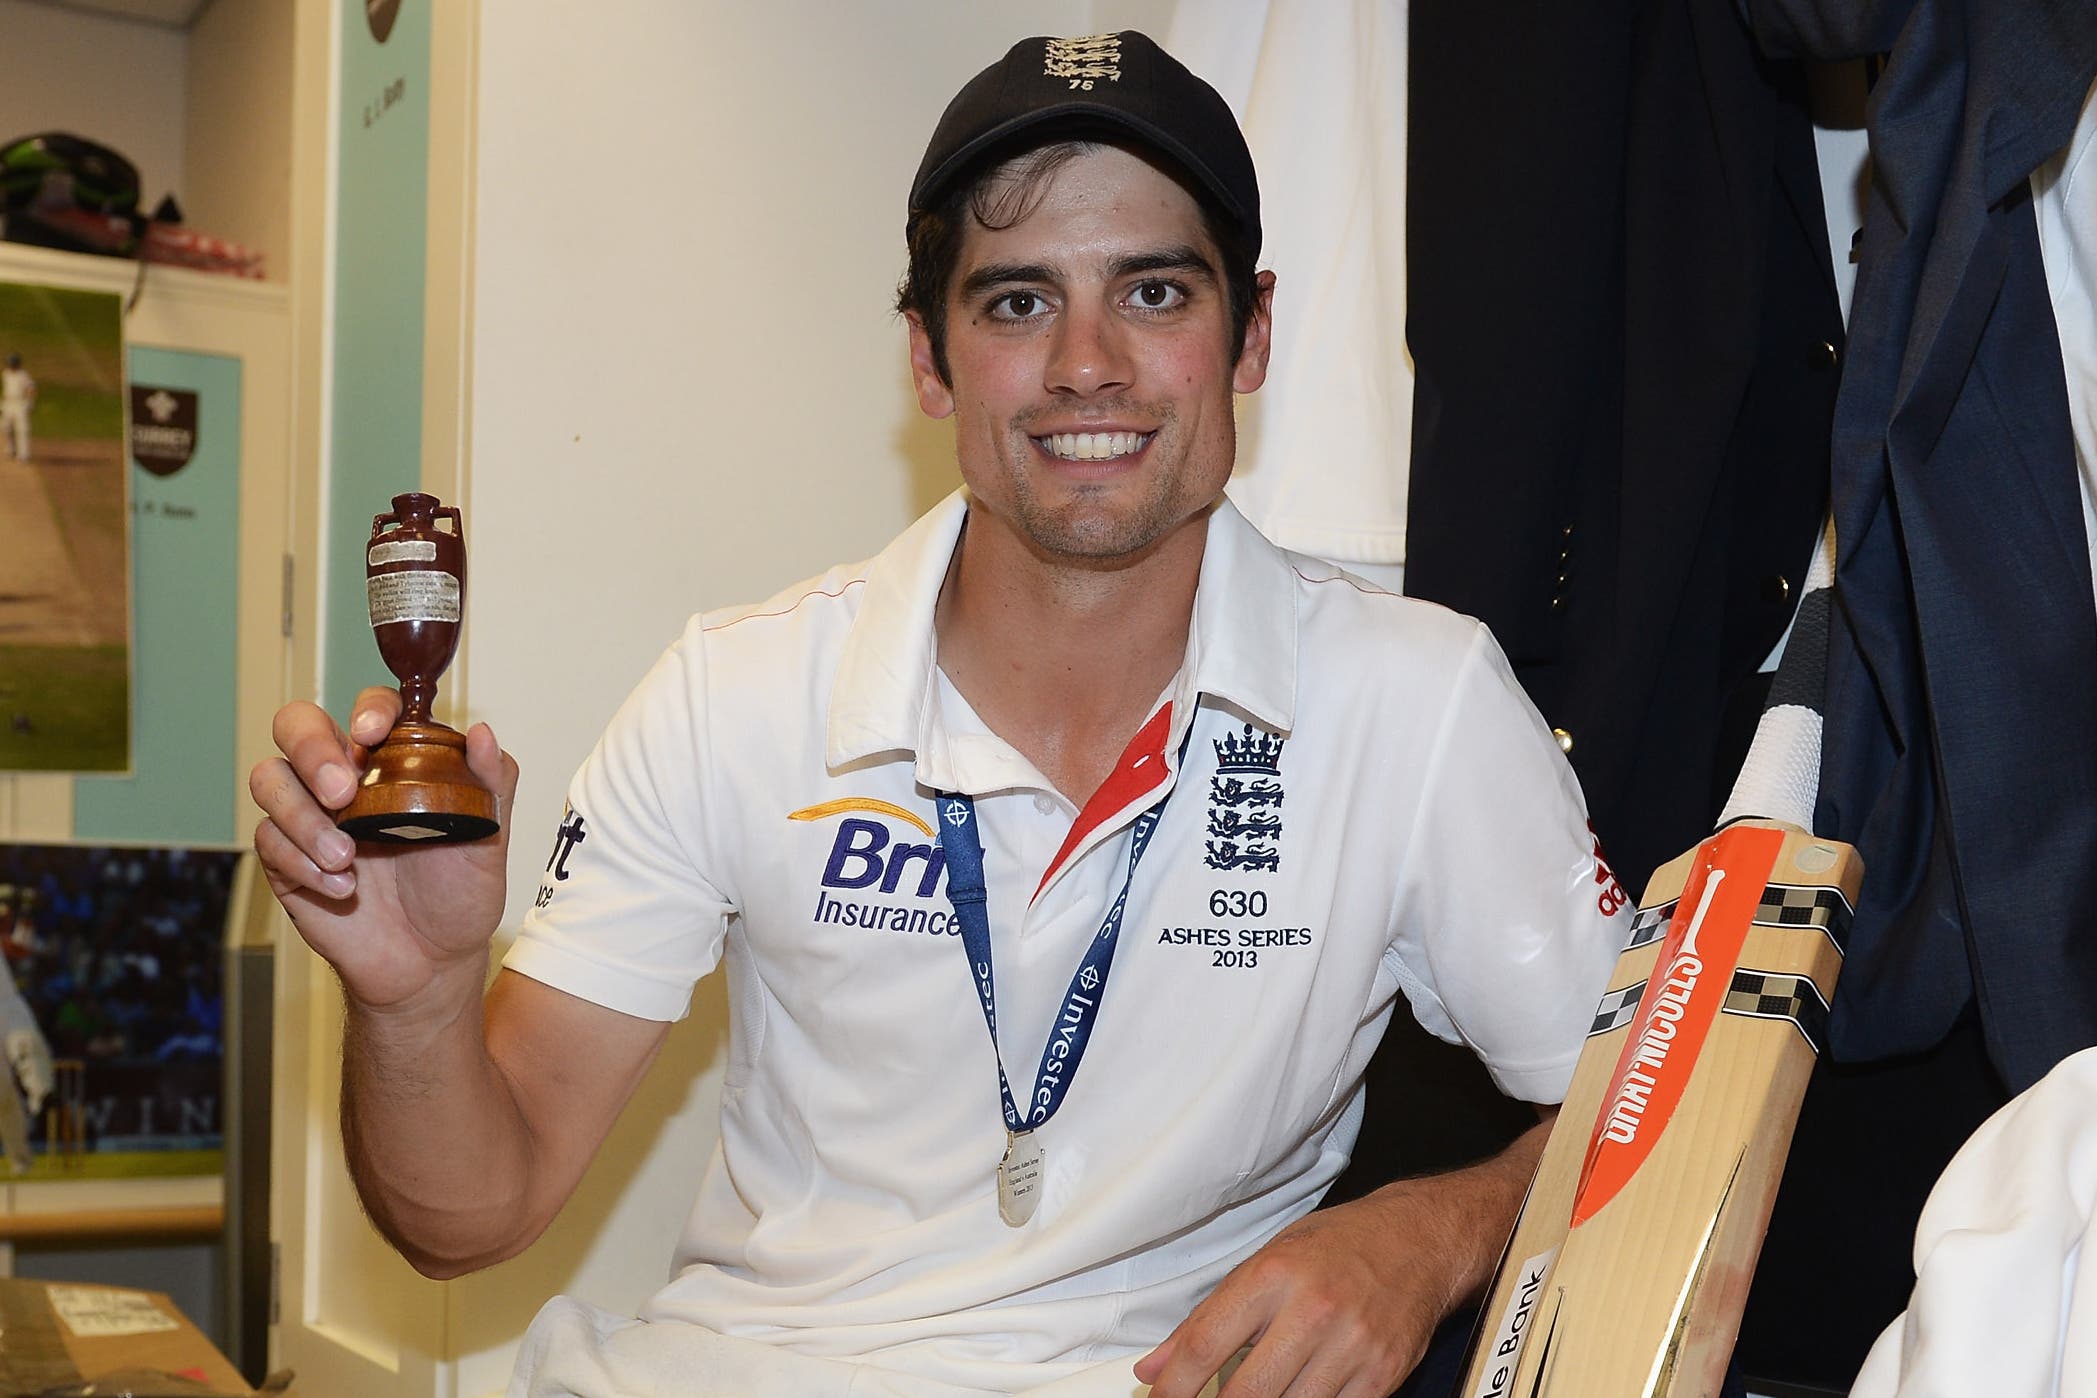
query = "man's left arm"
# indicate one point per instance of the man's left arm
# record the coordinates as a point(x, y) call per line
point(1344, 1300)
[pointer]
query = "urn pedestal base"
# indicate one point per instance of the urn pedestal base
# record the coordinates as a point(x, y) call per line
point(417, 790)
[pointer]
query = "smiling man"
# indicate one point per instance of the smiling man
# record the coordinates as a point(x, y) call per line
point(1106, 838)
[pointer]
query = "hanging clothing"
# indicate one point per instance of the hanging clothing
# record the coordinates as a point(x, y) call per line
point(1319, 88)
point(1964, 642)
point(1625, 329)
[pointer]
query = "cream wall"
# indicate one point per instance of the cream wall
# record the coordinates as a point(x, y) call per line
point(687, 390)
point(111, 80)
point(200, 112)
point(237, 174)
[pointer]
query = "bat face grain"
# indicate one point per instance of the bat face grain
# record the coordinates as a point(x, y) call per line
point(1630, 1263)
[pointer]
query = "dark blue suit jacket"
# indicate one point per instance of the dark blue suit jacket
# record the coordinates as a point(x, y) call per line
point(1961, 752)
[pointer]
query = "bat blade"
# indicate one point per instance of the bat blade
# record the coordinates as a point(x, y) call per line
point(1630, 1263)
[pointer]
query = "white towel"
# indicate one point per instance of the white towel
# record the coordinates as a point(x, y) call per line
point(2005, 1301)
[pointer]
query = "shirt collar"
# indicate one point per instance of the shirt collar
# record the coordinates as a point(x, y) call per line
point(883, 698)
point(1241, 648)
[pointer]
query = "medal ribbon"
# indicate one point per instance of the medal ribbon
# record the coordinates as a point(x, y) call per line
point(1088, 985)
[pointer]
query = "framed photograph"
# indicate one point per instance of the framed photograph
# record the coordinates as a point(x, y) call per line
point(118, 954)
point(65, 512)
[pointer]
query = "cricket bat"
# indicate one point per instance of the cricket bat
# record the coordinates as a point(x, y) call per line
point(1630, 1263)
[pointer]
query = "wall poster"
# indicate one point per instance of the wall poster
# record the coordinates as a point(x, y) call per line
point(65, 606)
point(112, 1010)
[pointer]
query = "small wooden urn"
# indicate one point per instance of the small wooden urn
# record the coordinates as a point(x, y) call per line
point(417, 788)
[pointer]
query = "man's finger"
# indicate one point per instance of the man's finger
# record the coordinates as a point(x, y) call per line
point(318, 752)
point(1300, 1358)
point(302, 821)
point(486, 760)
point(1279, 1374)
point(1231, 1317)
point(373, 715)
point(1286, 1359)
point(290, 870)
point(1364, 1385)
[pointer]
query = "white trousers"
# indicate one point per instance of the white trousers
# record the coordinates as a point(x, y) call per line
point(575, 1350)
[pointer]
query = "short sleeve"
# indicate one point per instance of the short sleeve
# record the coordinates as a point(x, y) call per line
point(629, 913)
point(1509, 919)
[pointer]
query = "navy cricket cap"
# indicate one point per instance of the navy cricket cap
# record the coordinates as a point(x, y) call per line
point(1103, 85)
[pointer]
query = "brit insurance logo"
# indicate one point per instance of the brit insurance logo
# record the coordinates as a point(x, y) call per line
point(569, 834)
point(876, 876)
point(1245, 800)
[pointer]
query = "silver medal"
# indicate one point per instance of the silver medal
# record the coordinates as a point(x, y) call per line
point(1019, 1178)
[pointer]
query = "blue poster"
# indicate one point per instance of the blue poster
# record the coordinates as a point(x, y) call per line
point(185, 598)
point(111, 996)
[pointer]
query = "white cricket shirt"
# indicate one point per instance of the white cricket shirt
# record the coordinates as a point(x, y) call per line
point(1368, 807)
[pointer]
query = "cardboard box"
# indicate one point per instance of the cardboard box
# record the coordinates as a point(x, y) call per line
point(55, 1334)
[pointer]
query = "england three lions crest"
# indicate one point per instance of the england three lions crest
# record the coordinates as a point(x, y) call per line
point(1245, 801)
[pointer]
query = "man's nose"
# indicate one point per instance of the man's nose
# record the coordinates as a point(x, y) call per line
point(1090, 353)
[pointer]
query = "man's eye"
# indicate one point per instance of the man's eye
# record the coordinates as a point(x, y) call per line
point(1016, 305)
point(1157, 296)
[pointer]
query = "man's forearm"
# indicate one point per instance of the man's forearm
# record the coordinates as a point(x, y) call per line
point(1464, 1217)
point(436, 1143)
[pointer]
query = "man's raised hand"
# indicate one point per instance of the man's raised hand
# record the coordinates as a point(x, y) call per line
point(393, 920)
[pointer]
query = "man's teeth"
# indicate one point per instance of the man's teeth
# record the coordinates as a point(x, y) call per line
point(1093, 446)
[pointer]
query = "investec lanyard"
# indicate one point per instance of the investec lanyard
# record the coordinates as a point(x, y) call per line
point(1020, 1172)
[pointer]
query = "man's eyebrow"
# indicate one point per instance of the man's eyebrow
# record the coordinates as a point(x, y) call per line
point(1005, 273)
point(1182, 258)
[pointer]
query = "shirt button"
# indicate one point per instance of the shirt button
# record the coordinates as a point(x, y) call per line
point(1045, 804)
point(1565, 740)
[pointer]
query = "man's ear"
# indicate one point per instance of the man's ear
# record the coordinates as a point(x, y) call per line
point(1251, 370)
point(934, 398)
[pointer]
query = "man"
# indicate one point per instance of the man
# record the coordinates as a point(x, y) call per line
point(1081, 723)
point(17, 399)
point(25, 1055)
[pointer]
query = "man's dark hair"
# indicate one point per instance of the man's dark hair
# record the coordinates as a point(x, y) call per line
point(1008, 188)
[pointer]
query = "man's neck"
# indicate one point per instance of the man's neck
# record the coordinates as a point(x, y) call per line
point(1061, 660)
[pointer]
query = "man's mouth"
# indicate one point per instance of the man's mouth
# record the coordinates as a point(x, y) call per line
point(1093, 446)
